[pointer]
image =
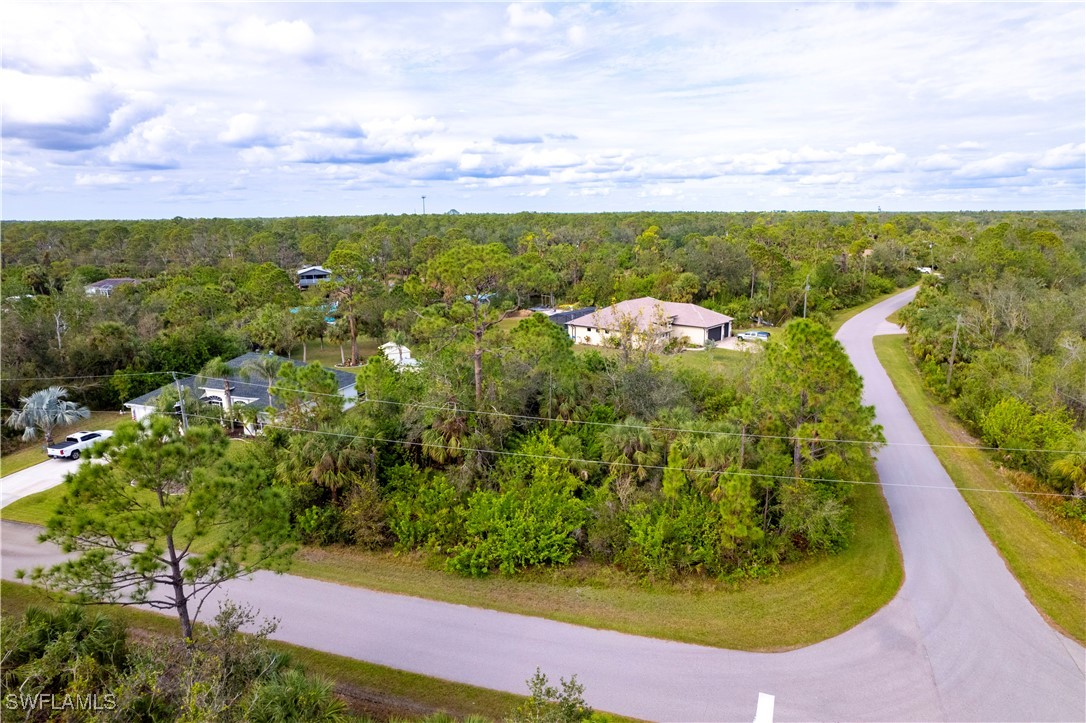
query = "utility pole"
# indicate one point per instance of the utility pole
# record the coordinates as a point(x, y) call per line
point(424, 205)
point(181, 401)
point(806, 288)
point(953, 349)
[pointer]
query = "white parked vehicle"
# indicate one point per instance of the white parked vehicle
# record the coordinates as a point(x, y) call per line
point(74, 444)
point(753, 335)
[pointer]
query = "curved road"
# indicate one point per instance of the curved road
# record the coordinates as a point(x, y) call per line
point(959, 642)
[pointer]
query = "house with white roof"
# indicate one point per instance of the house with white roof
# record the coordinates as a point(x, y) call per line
point(669, 320)
point(105, 287)
point(399, 355)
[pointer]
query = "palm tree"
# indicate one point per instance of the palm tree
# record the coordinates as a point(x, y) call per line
point(1072, 466)
point(633, 454)
point(264, 367)
point(333, 460)
point(309, 323)
point(399, 338)
point(217, 369)
point(339, 333)
point(43, 411)
point(443, 440)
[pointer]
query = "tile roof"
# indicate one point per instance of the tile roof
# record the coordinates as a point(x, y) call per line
point(644, 310)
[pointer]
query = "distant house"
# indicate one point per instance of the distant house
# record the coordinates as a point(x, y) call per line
point(668, 319)
point(105, 287)
point(399, 355)
point(251, 393)
point(312, 275)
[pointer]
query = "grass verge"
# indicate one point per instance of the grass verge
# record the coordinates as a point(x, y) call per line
point(800, 605)
point(31, 453)
point(838, 320)
point(1050, 566)
point(370, 689)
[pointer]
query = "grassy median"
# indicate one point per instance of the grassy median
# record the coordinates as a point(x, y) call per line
point(1050, 566)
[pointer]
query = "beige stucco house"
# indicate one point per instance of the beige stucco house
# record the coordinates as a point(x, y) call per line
point(668, 320)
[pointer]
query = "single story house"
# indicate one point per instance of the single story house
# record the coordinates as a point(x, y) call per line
point(669, 319)
point(399, 355)
point(312, 275)
point(105, 287)
point(251, 392)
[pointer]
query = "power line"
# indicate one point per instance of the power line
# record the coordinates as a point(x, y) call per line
point(699, 470)
point(87, 376)
point(643, 427)
point(681, 430)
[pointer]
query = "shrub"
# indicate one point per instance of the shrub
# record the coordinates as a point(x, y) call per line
point(520, 528)
point(548, 704)
point(533, 520)
point(321, 525)
point(424, 510)
point(363, 516)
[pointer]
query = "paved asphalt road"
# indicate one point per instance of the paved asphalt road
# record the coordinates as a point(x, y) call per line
point(959, 642)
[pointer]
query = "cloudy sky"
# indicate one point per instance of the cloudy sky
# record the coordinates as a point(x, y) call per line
point(161, 110)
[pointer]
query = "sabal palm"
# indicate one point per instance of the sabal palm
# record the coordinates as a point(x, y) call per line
point(265, 368)
point(44, 410)
point(399, 338)
point(1072, 468)
point(217, 369)
point(631, 449)
point(443, 440)
point(333, 460)
point(714, 452)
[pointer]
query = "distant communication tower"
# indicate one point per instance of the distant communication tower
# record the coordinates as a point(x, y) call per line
point(424, 205)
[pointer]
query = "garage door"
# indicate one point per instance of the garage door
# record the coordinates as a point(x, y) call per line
point(714, 333)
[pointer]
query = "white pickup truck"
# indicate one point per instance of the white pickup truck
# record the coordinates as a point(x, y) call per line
point(74, 444)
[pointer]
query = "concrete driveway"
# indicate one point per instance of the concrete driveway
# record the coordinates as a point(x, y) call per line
point(38, 478)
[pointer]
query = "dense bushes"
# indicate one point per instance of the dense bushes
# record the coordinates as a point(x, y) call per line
point(89, 662)
point(706, 477)
point(1014, 297)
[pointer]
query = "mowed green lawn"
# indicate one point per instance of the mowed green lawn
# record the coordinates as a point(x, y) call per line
point(1050, 566)
point(724, 362)
point(329, 356)
point(800, 605)
point(33, 452)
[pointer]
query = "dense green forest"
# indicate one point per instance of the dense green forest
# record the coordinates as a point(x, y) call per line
point(509, 448)
point(1001, 335)
point(213, 287)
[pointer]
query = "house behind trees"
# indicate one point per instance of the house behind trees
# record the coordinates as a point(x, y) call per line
point(312, 275)
point(664, 320)
point(251, 393)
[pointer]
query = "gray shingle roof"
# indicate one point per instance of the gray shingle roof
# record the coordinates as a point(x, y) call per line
point(256, 389)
